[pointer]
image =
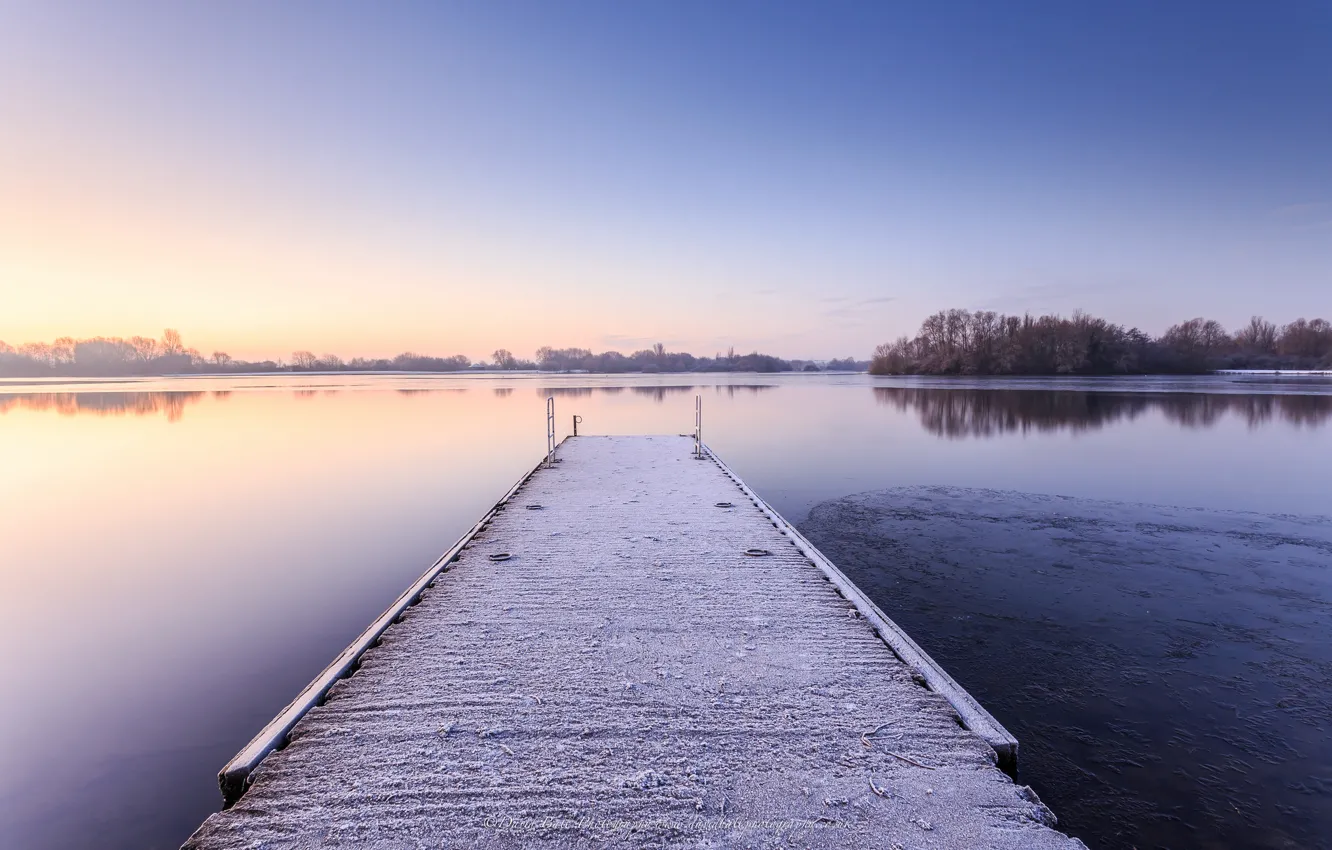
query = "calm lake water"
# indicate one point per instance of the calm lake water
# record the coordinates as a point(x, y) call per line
point(180, 556)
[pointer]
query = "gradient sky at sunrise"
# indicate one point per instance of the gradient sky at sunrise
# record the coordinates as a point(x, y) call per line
point(809, 180)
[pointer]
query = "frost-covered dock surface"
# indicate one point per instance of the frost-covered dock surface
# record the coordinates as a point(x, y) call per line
point(629, 677)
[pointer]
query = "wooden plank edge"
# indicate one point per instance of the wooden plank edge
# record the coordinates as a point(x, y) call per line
point(972, 714)
point(234, 778)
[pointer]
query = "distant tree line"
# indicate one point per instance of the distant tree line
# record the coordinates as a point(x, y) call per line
point(658, 359)
point(846, 365)
point(98, 356)
point(960, 342)
point(111, 356)
point(655, 359)
point(408, 361)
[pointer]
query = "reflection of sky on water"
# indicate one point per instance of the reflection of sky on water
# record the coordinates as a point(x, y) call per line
point(953, 408)
point(182, 555)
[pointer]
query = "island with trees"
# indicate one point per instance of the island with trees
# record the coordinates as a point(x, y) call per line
point(961, 342)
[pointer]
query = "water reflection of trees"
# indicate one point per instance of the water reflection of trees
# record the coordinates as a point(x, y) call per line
point(170, 404)
point(567, 392)
point(658, 394)
point(416, 391)
point(962, 413)
point(752, 389)
point(655, 392)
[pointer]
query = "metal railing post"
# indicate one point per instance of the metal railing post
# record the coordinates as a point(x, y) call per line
point(550, 431)
point(698, 426)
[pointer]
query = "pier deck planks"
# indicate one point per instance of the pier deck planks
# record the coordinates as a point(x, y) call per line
point(630, 678)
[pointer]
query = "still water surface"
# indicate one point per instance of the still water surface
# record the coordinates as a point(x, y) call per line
point(178, 557)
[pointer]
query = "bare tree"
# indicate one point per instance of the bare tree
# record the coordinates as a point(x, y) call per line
point(1259, 336)
point(1306, 338)
point(171, 342)
point(62, 350)
point(145, 347)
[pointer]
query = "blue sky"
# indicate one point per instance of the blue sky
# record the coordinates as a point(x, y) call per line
point(808, 179)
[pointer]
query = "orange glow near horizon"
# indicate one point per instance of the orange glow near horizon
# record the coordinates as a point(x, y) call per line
point(78, 265)
point(118, 249)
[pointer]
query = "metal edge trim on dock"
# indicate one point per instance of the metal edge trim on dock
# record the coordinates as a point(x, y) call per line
point(234, 778)
point(972, 713)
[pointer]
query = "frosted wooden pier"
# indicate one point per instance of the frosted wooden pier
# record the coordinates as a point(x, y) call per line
point(631, 650)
